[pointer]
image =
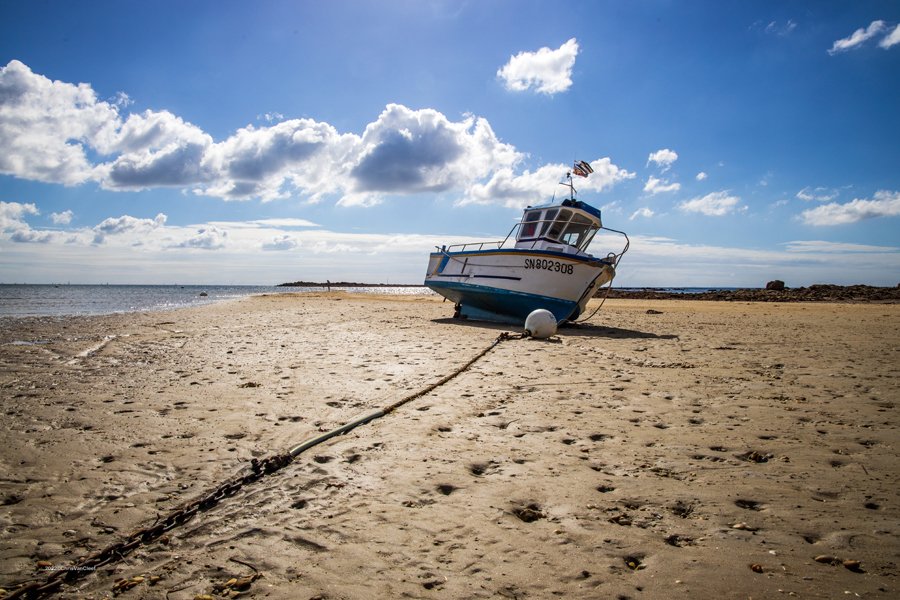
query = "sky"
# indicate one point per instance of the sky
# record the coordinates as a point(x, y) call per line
point(225, 142)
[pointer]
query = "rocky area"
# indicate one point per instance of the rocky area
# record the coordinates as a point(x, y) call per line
point(813, 293)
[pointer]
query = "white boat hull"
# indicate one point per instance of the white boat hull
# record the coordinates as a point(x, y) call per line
point(506, 285)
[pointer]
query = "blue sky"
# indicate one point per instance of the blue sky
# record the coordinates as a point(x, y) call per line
point(255, 143)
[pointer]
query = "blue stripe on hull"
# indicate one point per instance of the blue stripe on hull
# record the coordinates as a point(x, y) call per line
point(491, 304)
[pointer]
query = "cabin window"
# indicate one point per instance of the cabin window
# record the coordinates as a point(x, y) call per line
point(579, 232)
point(548, 220)
point(529, 224)
point(557, 226)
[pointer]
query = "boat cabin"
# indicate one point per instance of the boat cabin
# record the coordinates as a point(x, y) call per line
point(567, 227)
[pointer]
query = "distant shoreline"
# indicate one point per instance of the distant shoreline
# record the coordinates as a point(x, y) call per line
point(346, 284)
point(813, 293)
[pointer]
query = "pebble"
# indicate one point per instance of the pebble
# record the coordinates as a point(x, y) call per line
point(853, 565)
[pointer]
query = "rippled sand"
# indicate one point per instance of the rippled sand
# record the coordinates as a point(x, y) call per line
point(669, 449)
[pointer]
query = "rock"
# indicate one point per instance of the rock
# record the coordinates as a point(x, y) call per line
point(775, 284)
point(853, 565)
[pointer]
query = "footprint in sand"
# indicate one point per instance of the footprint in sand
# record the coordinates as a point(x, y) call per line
point(748, 504)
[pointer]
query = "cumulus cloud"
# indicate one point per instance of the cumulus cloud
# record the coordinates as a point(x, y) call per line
point(282, 242)
point(857, 38)
point(14, 227)
point(715, 204)
point(884, 204)
point(62, 218)
point(126, 224)
point(46, 125)
point(517, 191)
point(701, 176)
point(663, 158)
point(819, 194)
point(27, 235)
point(546, 71)
point(658, 186)
point(411, 151)
point(641, 212)
point(205, 238)
point(259, 162)
point(891, 39)
point(12, 214)
point(60, 132)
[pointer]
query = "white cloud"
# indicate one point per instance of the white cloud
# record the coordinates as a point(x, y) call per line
point(168, 253)
point(715, 204)
point(27, 235)
point(52, 131)
point(701, 176)
point(12, 214)
point(62, 218)
point(663, 158)
point(45, 126)
point(272, 117)
point(834, 247)
point(257, 162)
point(819, 194)
point(151, 132)
point(641, 212)
point(658, 186)
point(782, 30)
point(14, 227)
point(205, 238)
point(286, 222)
point(546, 71)
point(122, 100)
point(529, 188)
point(857, 37)
point(885, 204)
point(891, 39)
point(281, 242)
point(126, 224)
point(407, 151)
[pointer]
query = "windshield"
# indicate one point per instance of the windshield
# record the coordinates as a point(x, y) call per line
point(579, 232)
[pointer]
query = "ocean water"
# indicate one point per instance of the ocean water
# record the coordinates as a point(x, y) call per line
point(26, 300)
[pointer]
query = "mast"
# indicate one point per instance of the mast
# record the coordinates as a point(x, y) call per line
point(568, 183)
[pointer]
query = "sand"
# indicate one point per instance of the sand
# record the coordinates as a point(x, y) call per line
point(669, 449)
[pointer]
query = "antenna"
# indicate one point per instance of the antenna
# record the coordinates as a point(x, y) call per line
point(568, 183)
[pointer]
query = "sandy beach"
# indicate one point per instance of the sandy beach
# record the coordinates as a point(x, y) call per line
point(668, 449)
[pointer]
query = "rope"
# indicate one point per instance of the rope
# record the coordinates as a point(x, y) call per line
point(596, 310)
point(258, 469)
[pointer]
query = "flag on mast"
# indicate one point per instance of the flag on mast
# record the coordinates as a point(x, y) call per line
point(582, 169)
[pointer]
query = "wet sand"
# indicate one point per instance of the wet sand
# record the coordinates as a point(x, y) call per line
point(668, 449)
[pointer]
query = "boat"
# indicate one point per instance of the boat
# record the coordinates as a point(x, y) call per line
point(542, 263)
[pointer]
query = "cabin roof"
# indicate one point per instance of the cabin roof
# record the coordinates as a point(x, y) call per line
point(570, 204)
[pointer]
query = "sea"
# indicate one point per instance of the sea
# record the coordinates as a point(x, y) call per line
point(30, 300)
point(34, 300)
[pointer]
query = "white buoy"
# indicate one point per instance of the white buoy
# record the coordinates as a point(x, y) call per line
point(540, 324)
